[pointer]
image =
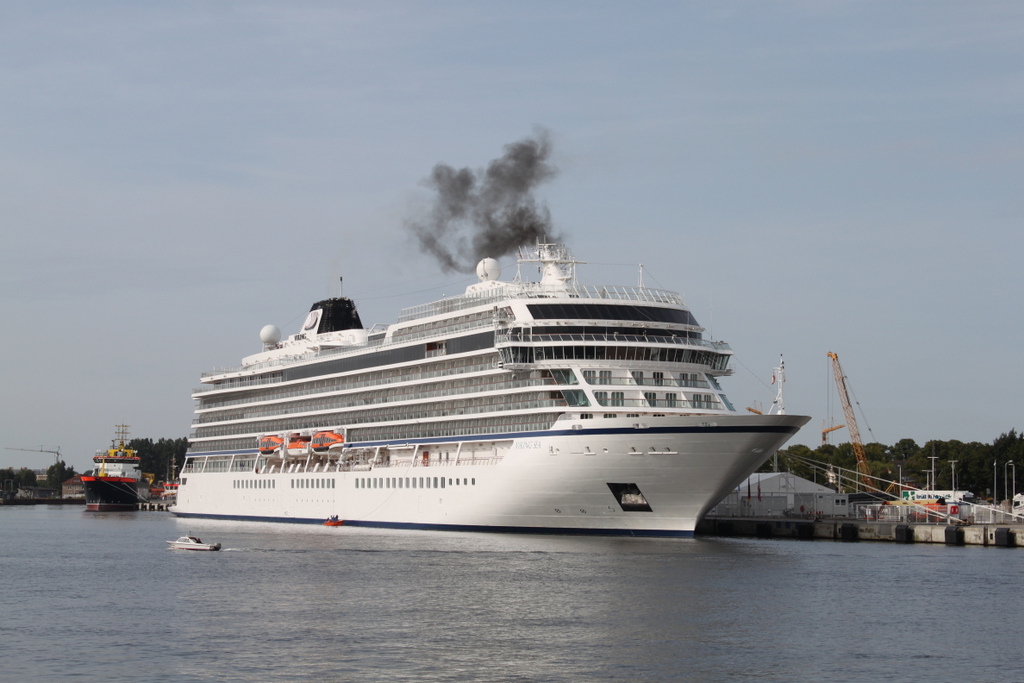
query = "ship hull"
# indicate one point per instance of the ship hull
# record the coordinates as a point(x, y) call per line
point(626, 478)
point(110, 494)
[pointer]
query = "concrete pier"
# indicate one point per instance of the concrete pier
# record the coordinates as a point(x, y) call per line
point(1005, 536)
point(158, 505)
point(42, 501)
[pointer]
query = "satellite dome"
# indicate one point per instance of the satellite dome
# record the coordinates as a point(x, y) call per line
point(488, 269)
point(270, 334)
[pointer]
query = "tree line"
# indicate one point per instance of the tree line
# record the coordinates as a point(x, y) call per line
point(979, 468)
point(162, 458)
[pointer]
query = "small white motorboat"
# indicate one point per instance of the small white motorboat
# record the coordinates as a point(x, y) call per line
point(192, 543)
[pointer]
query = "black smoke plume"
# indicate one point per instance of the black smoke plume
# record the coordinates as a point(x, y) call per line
point(487, 213)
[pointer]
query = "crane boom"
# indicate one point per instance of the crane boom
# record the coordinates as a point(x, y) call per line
point(825, 431)
point(55, 453)
point(851, 424)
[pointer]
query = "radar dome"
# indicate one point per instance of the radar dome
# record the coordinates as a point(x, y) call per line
point(488, 269)
point(270, 334)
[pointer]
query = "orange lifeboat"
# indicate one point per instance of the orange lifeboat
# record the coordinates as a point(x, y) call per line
point(298, 445)
point(270, 444)
point(325, 440)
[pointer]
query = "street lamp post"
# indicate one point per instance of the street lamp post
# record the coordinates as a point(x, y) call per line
point(995, 481)
point(1006, 482)
point(952, 464)
point(1013, 480)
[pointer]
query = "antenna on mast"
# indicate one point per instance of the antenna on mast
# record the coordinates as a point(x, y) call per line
point(779, 377)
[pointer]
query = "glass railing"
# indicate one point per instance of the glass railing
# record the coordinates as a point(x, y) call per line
point(646, 382)
point(660, 403)
point(528, 290)
point(346, 401)
point(310, 355)
point(518, 337)
point(518, 291)
point(535, 290)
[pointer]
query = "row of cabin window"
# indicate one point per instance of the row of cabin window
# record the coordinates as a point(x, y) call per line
point(410, 482)
point(255, 484)
point(607, 416)
point(362, 482)
point(313, 483)
point(384, 413)
point(671, 400)
point(371, 432)
point(533, 354)
point(374, 397)
point(378, 377)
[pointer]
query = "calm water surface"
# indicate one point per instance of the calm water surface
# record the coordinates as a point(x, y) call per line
point(96, 596)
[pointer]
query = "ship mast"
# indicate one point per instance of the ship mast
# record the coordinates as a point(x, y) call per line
point(557, 266)
point(119, 444)
point(779, 377)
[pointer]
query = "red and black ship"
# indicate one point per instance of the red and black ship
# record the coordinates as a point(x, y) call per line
point(116, 483)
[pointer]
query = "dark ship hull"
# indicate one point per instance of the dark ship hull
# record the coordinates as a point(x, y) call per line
point(110, 493)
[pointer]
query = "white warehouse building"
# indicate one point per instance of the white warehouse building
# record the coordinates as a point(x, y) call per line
point(779, 494)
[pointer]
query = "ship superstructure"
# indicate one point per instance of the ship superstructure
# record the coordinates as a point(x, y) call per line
point(525, 406)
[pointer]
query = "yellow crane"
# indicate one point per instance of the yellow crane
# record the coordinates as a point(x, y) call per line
point(851, 424)
point(826, 430)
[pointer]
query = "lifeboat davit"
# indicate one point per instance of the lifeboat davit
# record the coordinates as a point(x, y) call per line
point(298, 445)
point(270, 444)
point(322, 441)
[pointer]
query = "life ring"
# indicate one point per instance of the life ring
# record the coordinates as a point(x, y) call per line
point(954, 509)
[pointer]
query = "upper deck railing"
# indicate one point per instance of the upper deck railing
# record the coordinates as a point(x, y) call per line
point(340, 351)
point(535, 290)
point(524, 336)
point(528, 290)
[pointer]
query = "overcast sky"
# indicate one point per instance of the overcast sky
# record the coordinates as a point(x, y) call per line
point(812, 176)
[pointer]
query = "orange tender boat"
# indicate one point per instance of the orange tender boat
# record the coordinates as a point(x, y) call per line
point(325, 440)
point(270, 444)
point(298, 445)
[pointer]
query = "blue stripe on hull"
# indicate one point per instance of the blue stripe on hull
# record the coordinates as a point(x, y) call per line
point(557, 531)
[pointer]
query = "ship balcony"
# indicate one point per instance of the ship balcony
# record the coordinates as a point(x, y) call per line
point(399, 413)
point(518, 337)
point(621, 402)
point(648, 382)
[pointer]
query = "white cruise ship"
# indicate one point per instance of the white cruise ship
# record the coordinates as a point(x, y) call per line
point(518, 406)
